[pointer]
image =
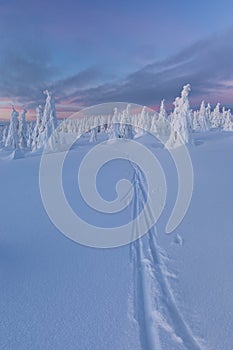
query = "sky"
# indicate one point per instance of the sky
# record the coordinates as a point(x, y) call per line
point(93, 51)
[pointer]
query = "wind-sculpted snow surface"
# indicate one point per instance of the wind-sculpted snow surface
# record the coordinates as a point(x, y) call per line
point(161, 324)
point(168, 292)
point(57, 149)
point(107, 176)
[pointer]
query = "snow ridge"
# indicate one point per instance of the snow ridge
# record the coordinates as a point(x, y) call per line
point(154, 303)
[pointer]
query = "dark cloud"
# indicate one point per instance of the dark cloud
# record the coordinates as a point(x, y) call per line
point(25, 70)
point(79, 81)
point(207, 65)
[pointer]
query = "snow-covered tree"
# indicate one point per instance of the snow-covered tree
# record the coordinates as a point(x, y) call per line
point(208, 113)
point(195, 123)
point(49, 120)
point(126, 130)
point(224, 116)
point(38, 128)
point(228, 124)
point(50, 115)
point(4, 135)
point(181, 131)
point(153, 122)
point(141, 121)
point(12, 140)
point(216, 117)
point(113, 126)
point(23, 130)
point(102, 126)
point(1, 136)
point(30, 129)
point(93, 137)
point(203, 118)
point(162, 123)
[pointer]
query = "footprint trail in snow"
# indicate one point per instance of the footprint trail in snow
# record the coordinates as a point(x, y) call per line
point(160, 323)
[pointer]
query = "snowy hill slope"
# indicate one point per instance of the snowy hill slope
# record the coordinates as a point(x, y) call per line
point(160, 292)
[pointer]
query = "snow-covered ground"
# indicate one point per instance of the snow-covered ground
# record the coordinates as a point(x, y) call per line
point(161, 292)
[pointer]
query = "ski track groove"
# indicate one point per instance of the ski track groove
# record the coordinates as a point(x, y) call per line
point(154, 303)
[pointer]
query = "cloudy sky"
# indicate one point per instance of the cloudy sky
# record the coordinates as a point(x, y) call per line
point(94, 51)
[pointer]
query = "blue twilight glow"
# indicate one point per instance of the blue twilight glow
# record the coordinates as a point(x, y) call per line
point(92, 51)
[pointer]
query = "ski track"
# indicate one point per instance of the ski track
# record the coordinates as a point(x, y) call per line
point(154, 305)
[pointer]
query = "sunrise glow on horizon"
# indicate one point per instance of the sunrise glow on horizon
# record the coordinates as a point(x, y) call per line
point(94, 52)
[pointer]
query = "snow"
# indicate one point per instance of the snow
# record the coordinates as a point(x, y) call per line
point(12, 140)
point(48, 124)
point(124, 122)
point(181, 132)
point(22, 132)
point(37, 129)
point(159, 292)
point(151, 294)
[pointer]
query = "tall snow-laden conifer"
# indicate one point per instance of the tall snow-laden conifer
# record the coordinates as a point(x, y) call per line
point(181, 131)
point(12, 140)
point(23, 130)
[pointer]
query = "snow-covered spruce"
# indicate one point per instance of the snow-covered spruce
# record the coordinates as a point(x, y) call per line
point(141, 120)
point(23, 130)
point(30, 129)
point(4, 135)
point(177, 127)
point(49, 121)
point(228, 124)
point(216, 117)
point(181, 131)
point(12, 140)
point(93, 135)
point(208, 113)
point(126, 131)
point(37, 129)
point(103, 125)
point(113, 126)
point(1, 136)
point(195, 122)
point(201, 119)
point(163, 128)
